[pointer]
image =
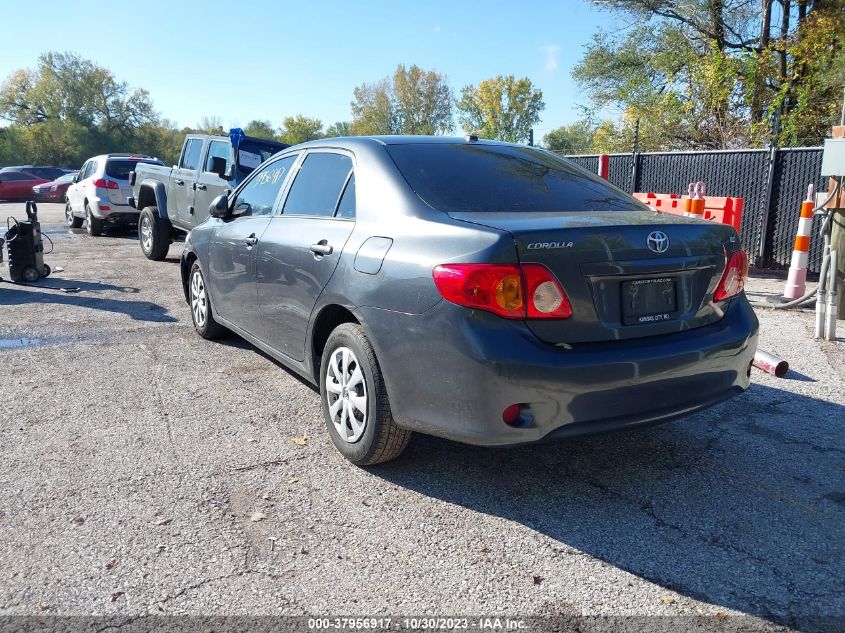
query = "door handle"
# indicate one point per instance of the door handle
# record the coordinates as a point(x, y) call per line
point(179, 182)
point(322, 248)
point(200, 187)
point(251, 240)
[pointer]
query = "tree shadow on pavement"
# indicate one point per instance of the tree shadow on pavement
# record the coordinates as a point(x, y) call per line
point(741, 506)
point(138, 310)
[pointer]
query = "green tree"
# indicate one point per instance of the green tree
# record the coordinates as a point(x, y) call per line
point(341, 128)
point(68, 108)
point(575, 138)
point(504, 108)
point(712, 73)
point(260, 129)
point(210, 125)
point(299, 129)
point(422, 101)
point(412, 101)
point(373, 109)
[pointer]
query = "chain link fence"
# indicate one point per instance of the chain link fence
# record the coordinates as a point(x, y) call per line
point(772, 182)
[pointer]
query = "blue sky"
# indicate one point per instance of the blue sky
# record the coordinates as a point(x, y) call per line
point(266, 60)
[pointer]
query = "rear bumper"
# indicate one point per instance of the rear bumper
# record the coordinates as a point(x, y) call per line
point(117, 213)
point(452, 372)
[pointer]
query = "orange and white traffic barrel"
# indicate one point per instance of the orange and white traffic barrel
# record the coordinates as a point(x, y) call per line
point(696, 201)
point(688, 200)
point(796, 281)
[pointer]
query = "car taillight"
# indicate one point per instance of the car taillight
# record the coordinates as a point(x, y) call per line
point(733, 279)
point(510, 290)
point(102, 183)
point(545, 297)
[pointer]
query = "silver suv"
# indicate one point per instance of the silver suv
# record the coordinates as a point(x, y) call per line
point(98, 193)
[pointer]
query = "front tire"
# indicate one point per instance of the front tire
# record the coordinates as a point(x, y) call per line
point(354, 398)
point(153, 234)
point(95, 225)
point(72, 221)
point(201, 313)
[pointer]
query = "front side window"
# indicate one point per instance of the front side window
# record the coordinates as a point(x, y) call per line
point(318, 185)
point(191, 155)
point(219, 150)
point(89, 171)
point(259, 195)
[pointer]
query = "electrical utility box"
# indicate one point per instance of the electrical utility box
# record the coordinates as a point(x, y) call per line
point(833, 159)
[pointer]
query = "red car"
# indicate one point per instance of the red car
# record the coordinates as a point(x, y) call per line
point(53, 191)
point(17, 185)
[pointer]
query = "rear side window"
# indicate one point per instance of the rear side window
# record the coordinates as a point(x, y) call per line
point(13, 175)
point(119, 169)
point(191, 155)
point(318, 185)
point(346, 206)
point(258, 197)
point(503, 178)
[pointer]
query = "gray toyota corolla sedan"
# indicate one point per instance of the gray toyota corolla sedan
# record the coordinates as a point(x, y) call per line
point(490, 293)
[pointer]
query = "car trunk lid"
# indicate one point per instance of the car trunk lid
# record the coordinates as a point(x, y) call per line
point(618, 287)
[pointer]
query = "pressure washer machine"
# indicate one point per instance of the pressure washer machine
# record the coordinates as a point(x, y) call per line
point(25, 247)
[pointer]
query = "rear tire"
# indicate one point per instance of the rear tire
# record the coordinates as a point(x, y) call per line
point(95, 225)
point(153, 234)
point(72, 221)
point(200, 303)
point(353, 395)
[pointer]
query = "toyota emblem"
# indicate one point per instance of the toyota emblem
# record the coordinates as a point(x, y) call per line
point(658, 241)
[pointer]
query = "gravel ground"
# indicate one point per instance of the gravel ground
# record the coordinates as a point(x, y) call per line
point(146, 471)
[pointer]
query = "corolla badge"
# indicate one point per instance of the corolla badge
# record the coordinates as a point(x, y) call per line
point(658, 241)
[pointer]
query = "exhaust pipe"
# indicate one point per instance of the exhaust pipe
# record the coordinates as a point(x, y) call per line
point(770, 363)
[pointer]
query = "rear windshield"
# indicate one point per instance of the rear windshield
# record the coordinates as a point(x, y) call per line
point(503, 178)
point(252, 153)
point(119, 168)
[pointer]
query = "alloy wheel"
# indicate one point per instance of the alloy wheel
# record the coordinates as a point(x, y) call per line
point(346, 394)
point(146, 234)
point(199, 301)
point(69, 213)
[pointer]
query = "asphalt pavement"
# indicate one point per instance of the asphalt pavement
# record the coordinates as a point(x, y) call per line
point(144, 470)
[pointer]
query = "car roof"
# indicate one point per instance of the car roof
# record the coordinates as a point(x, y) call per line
point(123, 156)
point(400, 139)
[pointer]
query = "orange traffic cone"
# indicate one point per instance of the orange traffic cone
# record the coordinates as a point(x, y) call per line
point(796, 281)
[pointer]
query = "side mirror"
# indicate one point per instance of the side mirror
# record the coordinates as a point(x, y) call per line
point(75, 178)
point(219, 207)
point(218, 166)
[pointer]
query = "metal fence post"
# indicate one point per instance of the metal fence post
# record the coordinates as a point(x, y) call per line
point(635, 171)
point(635, 152)
point(766, 207)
